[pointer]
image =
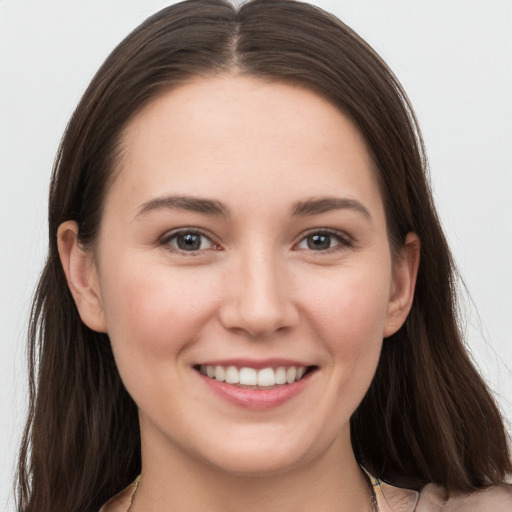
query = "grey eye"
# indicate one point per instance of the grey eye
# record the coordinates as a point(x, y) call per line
point(319, 242)
point(190, 241)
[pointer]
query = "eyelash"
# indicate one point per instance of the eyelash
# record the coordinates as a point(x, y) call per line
point(344, 241)
point(166, 240)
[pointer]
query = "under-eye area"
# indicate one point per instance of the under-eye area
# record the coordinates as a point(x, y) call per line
point(255, 378)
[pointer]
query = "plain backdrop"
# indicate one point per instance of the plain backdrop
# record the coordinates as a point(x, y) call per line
point(454, 58)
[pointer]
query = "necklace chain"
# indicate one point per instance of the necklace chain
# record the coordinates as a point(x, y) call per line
point(373, 498)
point(375, 506)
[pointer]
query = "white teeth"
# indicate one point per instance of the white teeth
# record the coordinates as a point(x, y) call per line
point(281, 375)
point(232, 376)
point(220, 374)
point(300, 373)
point(291, 373)
point(247, 376)
point(266, 377)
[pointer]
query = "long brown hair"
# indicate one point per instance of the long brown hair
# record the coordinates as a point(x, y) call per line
point(427, 417)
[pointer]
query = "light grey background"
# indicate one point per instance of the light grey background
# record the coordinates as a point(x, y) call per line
point(454, 58)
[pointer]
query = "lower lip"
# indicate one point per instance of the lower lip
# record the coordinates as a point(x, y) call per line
point(256, 398)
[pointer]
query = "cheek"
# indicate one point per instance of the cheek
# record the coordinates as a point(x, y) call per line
point(152, 310)
point(349, 310)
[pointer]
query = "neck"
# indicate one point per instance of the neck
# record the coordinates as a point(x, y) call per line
point(172, 480)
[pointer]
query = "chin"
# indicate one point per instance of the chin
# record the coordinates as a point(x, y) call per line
point(256, 465)
point(265, 457)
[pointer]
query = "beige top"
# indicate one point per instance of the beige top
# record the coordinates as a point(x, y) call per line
point(432, 498)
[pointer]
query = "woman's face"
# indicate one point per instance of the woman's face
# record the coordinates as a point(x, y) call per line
point(244, 237)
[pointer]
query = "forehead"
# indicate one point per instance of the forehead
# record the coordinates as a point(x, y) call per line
point(227, 134)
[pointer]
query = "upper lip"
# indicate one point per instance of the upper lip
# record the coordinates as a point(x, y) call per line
point(257, 364)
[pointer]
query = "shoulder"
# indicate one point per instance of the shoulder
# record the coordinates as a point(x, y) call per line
point(120, 502)
point(434, 498)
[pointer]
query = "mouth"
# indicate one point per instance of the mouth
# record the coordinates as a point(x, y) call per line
point(247, 377)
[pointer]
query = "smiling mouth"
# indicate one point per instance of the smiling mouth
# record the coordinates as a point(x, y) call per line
point(252, 378)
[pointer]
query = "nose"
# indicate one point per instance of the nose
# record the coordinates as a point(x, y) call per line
point(258, 298)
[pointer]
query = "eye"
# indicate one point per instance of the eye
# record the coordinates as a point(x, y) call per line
point(189, 241)
point(323, 241)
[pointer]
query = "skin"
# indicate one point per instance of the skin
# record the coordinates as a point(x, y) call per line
point(254, 289)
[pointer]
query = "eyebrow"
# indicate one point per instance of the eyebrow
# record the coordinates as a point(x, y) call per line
point(187, 203)
point(316, 206)
point(305, 207)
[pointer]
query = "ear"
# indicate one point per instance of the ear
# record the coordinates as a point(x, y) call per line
point(405, 271)
point(82, 276)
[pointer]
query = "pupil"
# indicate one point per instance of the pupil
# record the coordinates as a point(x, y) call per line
point(318, 242)
point(189, 242)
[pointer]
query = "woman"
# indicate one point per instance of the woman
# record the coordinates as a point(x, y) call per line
point(248, 298)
